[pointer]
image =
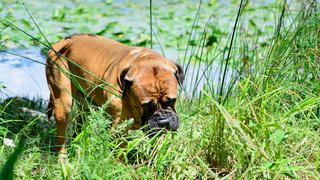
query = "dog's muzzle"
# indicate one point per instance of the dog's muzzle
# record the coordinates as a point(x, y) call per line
point(163, 119)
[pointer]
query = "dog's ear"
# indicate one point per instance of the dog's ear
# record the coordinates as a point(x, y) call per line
point(179, 73)
point(125, 82)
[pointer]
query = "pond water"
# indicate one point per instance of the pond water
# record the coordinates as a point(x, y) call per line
point(126, 21)
point(21, 76)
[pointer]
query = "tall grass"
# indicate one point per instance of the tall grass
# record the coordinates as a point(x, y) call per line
point(255, 85)
point(263, 123)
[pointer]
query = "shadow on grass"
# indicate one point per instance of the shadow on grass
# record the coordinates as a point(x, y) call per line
point(25, 117)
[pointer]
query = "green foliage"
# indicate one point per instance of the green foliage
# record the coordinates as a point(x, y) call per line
point(7, 170)
point(264, 124)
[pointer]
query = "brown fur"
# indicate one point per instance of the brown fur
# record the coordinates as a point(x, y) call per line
point(153, 78)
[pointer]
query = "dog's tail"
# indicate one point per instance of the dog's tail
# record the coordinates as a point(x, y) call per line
point(50, 107)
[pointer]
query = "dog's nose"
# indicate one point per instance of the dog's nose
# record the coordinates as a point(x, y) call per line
point(165, 122)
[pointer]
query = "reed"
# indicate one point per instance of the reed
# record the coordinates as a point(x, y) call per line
point(260, 120)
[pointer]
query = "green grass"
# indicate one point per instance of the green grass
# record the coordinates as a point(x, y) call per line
point(266, 125)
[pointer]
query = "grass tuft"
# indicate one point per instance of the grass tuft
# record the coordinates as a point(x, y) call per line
point(260, 120)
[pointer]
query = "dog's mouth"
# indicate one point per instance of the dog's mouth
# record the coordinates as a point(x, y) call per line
point(161, 120)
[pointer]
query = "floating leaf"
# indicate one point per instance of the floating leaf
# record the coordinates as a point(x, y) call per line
point(212, 39)
point(25, 23)
point(108, 2)
point(108, 27)
point(2, 86)
point(59, 14)
point(212, 2)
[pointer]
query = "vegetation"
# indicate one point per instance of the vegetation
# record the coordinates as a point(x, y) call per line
point(259, 120)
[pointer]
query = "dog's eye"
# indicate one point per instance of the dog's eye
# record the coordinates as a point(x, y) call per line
point(169, 102)
point(150, 106)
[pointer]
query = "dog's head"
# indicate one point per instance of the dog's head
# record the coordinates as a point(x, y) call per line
point(150, 89)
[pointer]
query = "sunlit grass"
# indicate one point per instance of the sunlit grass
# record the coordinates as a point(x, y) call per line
point(265, 125)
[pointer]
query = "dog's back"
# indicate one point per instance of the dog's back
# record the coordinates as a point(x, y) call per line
point(85, 59)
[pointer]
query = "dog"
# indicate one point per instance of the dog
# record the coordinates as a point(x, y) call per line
point(137, 82)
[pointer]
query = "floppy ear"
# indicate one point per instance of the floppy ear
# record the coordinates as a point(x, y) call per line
point(126, 82)
point(179, 73)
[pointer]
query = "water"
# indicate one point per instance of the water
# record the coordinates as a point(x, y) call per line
point(21, 76)
point(196, 81)
point(172, 21)
point(24, 77)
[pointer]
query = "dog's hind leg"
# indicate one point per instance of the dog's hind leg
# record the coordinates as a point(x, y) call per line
point(50, 107)
point(62, 109)
point(61, 98)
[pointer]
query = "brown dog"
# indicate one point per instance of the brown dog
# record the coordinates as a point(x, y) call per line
point(143, 83)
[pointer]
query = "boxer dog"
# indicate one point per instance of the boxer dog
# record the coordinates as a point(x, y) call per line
point(137, 82)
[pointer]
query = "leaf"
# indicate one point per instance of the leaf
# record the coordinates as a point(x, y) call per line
point(277, 137)
point(2, 86)
point(84, 29)
point(132, 144)
point(25, 23)
point(59, 14)
point(108, 27)
point(212, 2)
point(80, 10)
point(252, 23)
point(125, 41)
point(212, 39)
point(267, 165)
point(108, 2)
point(7, 169)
